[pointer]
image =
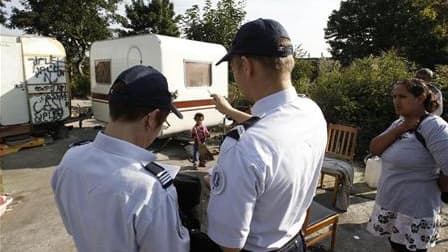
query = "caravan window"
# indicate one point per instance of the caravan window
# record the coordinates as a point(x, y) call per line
point(102, 72)
point(197, 74)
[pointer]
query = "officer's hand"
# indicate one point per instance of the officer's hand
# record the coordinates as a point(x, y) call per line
point(207, 181)
point(221, 103)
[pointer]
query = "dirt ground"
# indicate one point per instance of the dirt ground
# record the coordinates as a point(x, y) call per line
point(32, 222)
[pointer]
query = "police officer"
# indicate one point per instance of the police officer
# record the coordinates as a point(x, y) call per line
point(111, 194)
point(268, 167)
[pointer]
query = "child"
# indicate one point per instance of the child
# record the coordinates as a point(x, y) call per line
point(199, 134)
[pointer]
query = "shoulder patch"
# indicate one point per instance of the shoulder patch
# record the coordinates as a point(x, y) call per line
point(239, 129)
point(79, 143)
point(160, 173)
point(218, 181)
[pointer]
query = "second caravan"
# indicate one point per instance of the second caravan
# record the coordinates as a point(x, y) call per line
point(188, 65)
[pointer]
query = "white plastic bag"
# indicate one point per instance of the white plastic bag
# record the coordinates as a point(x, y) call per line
point(373, 171)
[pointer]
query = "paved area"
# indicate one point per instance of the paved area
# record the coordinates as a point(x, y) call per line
point(32, 222)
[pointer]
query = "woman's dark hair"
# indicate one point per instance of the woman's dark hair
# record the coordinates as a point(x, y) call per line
point(198, 115)
point(123, 111)
point(418, 87)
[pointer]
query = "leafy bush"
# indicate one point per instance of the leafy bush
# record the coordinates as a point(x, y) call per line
point(359, 95)
point(304, 72)
point(80, 86)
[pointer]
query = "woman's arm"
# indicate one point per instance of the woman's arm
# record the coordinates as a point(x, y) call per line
point(381, 142)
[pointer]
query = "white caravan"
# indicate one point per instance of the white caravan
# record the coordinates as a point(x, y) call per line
point(33, 87)
point(188, 65)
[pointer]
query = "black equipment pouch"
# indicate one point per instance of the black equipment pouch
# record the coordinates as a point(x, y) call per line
point(188, 187)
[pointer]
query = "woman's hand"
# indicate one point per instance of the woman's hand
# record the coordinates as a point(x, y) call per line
point(381, 142)
point(409, 123)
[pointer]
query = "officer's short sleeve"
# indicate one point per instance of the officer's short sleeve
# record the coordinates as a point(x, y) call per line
point(158, 227)
point(58, 176)
point(237, 181)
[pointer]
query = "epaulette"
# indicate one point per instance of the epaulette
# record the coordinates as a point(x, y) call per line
point(239, 129)
point(160, 173)
point(79, 143)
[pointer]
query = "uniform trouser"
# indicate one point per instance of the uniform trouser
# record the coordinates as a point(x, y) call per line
point(296, 244)
point(200, 242)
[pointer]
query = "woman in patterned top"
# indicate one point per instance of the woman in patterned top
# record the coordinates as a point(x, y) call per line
point(408, 201)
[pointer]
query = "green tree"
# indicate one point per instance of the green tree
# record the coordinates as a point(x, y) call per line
point(359, 94)
point(2, 13)
point(214, 25)
point(304, 71)
point(441, 80)
point(416, 29)
point(75, 23)
point(303, 74)
point(155, 17)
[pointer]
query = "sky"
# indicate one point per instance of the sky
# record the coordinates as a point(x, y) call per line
point(304, 20)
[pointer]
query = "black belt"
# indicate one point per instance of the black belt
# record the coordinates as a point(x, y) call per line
point(297, 243)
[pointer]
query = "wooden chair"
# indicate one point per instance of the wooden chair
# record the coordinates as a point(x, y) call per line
point(317, 218)
point(341, 144)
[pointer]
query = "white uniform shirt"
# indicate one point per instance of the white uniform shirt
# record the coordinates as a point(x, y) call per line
point(263, 184)
point(108, 202)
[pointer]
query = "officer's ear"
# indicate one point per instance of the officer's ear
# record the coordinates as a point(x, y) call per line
point(150, 120)
point(247, 65)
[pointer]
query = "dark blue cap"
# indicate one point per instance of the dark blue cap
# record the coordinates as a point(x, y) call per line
point(259, 37)
point(145, 87)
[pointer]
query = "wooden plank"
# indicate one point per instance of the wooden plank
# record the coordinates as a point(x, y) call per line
point(343, 142)
point(348, 147)
point(330, 139)
point(8, 149)
point(12, 130)
point(338, 145)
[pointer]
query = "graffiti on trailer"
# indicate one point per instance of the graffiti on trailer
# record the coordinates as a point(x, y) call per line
point(49, 69)
point(49, 107)
point(50, 88)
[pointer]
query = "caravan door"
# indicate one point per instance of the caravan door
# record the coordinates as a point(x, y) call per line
point(13, 103)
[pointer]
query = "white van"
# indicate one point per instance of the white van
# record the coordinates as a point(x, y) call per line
point(188, 65)
point(33, 84)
